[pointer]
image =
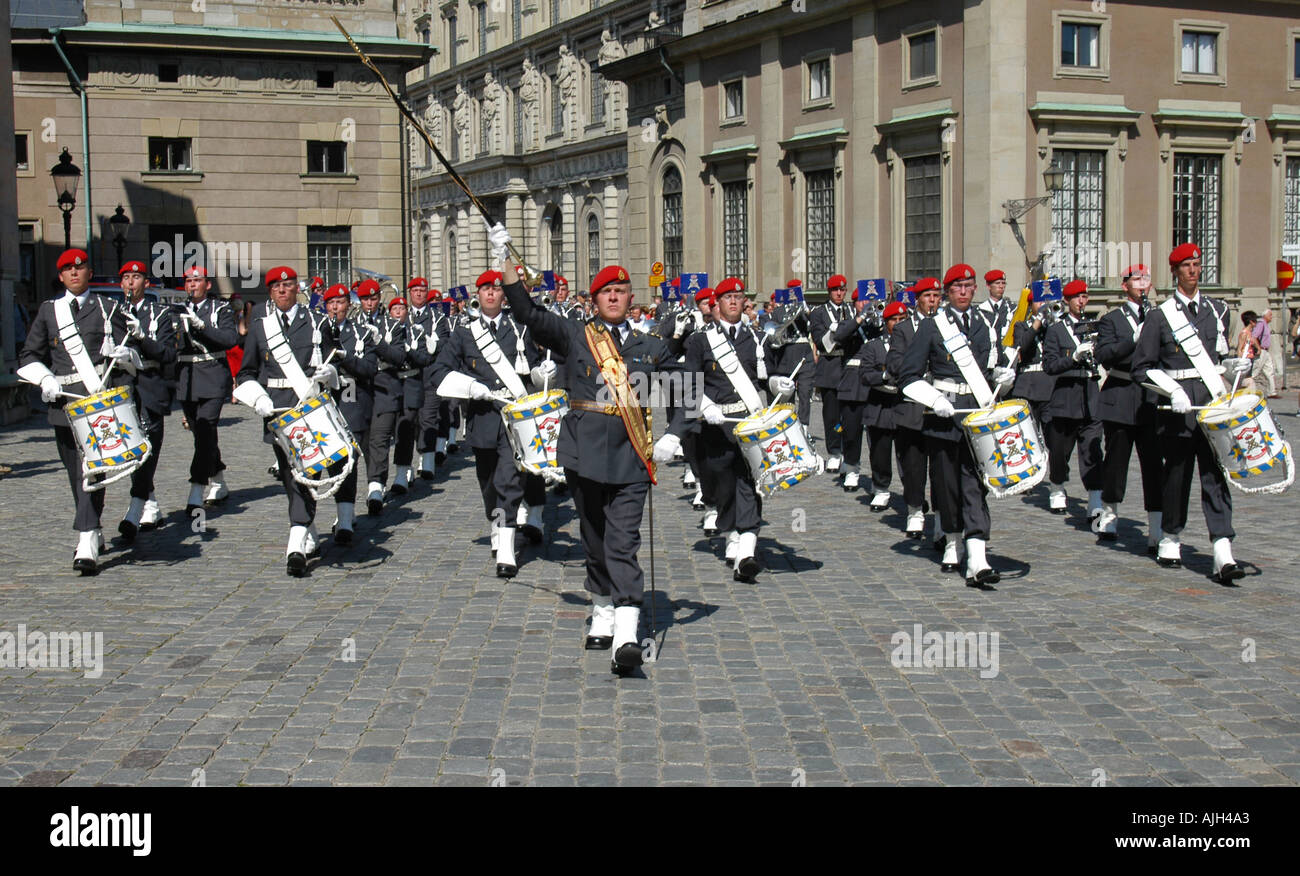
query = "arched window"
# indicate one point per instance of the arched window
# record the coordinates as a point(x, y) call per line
point(672, 222)
point(593, 247)
point(451, 277)
point(555, 227)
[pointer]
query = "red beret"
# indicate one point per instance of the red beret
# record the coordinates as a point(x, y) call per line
point(925, 284)
point(338, 290)
point(559, 279)
point(607, 275)
point(1134, 270)
point(488, 278)
point(317, 283)
point(282, 272)
point(435, 295)
point(367, 288)
point(1183, 253)
point(730, 284)
point(895, 308)
point(994, 275)
point(396, 301)
point(836, 282)
point(958, 272)
point(132, 268)
point(417, 281)
point(705, 294)
point(198, 271)
point(1075, 287)
point(73, 257)
point(793, 284)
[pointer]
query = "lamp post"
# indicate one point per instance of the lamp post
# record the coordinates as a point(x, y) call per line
point(1053, 181)
point(119, 223)
point(66, 176)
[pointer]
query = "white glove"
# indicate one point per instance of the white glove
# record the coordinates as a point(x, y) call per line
point(714, 416)
point(943, 407)
point(431, 343)
point(127, 357)
point(499, 240)
point(479, 391)
point(1004, 376)
point(49, 389)
point(1180, 402)
point(1237, 366)
point(545, 370)
point(326, 376)
point(665, 447)
point(780, 385)
point(264, 407)
point(133, 326)
point(682, 322)
point(191, 319)
point(1082, 351)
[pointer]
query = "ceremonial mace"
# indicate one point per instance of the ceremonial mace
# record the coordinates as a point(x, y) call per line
point(531, 278)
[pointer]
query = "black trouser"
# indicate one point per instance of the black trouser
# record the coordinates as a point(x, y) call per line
point(203, 416)
point(732, 483)
point(1216, 503)
point(912, 462)
point(142, 477)
point(1063, 433)
point(347, 491)
point(831, 422)
point(499, 481)
point(609, 518)
point(534, 490)
point(89, 505)
point(881, 449)
point(851, 418)
point(958, 488)
point(444, 417)
point(803, 387)
point(1120, 439)
point(302, 507)
point(383, 427)
point(430, 423)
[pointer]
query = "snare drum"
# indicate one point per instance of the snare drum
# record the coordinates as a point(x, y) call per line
point(776, 446)
point(1247, 444)
point(533, 427)
point(314, 436)
point(1005, 443)
point(109, 436)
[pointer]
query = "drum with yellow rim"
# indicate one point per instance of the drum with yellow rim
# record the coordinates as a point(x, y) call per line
point(109, 436)
point(776, 446)
point(1007, 446)
point(1248, 445)
point(314, 435)
point(533, 428)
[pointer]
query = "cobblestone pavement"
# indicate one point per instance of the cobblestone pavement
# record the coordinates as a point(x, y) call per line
point(1109, 668)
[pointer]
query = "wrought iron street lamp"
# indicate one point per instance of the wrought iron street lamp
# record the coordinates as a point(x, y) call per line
point(1053, 181)
point(66, 176)
point(119, 223)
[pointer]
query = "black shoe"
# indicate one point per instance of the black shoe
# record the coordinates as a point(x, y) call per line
point(453, 448)
point(149, 527)
point(627, 658)
point(505, 571)
point(440, 457)
point(598, 643)
point(1230, 572)
point(950, 567)
point(1058, 511)
point(213, 503)
point(710, 532)
point(1107, 536)
point(374, 507)
point(1167, 563)
point(532, 533)
point(342, 537)
point(977, 584)
point(984, 576)
point(747, 568)
point(273, 470)
point(426, 475)
point(128, 531)
point(189, 511)
point(397, 490)
point(878, 508)
point(296, 564)
point(86, 567)
point(916, 535)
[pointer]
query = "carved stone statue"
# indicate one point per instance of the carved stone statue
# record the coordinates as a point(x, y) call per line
point(567, 76)
point(433, 121)
point(530, 100)
point(612, 50)
point(462, 122)
point(494, 112)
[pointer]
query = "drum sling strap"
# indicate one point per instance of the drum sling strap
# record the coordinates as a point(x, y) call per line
point(963, 357)
point(1189, 341)
point(729, 361)
point(70, 336)
point(282, 353)
point(491, 350)
point(614, 372)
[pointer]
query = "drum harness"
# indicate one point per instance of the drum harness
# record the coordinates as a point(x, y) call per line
point(964, 358)
point(70, 335)
point(724, 352)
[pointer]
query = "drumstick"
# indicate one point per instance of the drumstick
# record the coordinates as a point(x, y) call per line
point(546, 381)
point(781, 396)
point(1192, 408)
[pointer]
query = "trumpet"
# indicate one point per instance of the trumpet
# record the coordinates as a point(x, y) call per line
point(473, 308)
point(784, 332)
point(547, 301)
point(1053, 313)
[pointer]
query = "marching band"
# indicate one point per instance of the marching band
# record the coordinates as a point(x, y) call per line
point(551, 395)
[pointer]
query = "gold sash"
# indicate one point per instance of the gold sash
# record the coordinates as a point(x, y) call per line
point(614, 371)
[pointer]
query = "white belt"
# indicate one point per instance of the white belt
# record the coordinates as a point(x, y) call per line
point(1029, 369)
point(68, 379)
point(279, 383)
point(1188, 373)
point(199, 357)
point(950, 386)
point(408, 372)
point(735, 408)
point(849, 363)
